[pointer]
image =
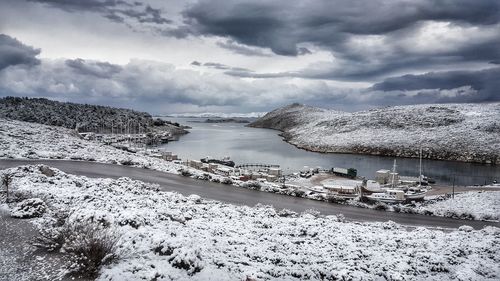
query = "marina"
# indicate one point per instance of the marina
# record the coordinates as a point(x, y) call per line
point(254, 145)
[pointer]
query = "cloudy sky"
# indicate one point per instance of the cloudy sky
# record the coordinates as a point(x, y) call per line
point(167, 56)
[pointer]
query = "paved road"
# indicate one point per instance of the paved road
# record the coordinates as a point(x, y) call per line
point(241, 196)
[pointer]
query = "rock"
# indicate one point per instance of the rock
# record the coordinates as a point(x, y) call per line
point(47, 171)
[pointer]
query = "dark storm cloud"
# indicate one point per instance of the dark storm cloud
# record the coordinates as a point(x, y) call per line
point(94, 68)
point(283, 26)
point(114, 10)
point(485, 82)
point(13, 52)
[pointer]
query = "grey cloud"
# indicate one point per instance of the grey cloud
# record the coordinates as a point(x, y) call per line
point(242, 49)
point(220, 66)
point(485, 83)
point(114, 10)
point(13, 52)
point(282, 26)
point(94, 68)
point(160, 87)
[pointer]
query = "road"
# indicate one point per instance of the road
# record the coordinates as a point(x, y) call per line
point(241, 196)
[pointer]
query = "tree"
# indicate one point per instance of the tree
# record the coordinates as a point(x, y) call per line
point(6, 181)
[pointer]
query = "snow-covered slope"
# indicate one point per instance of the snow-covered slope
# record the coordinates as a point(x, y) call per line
point(461, 132)
point(166, 236)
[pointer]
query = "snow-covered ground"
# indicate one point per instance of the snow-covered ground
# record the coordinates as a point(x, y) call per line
point(166, 236)
point(34, 141)
point(482, 205)
point(462, 132)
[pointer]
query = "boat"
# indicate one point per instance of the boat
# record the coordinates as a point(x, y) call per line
point(389, 196)
point(412, 193)
point(396, 193)
point(318, 189)
point(224, 161)
point(415, 194)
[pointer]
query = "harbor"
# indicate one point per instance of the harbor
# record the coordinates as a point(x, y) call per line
point(255, 145)
point(339, 183)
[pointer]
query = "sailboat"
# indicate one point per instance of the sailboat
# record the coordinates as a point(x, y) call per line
point(395, 193)
point(417, 193)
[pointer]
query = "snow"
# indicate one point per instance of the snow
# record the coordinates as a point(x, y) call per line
point(462, 132)
point(35, 141)
point(23, 140)
point(484, 205)
point(166, 236)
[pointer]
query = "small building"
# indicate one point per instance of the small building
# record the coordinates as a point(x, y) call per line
point(224, 170)
point(340, 189)
point(271, 178)
point(205, 167)
point(274, 172)
point(382, 176)
point(197, 164)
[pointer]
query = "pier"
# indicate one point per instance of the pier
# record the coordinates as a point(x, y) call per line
point(257, 165)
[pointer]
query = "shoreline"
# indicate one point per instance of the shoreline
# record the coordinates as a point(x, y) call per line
point(289, 140)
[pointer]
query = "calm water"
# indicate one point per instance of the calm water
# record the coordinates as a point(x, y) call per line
point(252, 145)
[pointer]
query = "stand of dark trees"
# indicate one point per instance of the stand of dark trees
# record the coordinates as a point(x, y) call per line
point(81, 117)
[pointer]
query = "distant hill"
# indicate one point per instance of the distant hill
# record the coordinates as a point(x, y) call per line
point(461, 132)
point(81, 117)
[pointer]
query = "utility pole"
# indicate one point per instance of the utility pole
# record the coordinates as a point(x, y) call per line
point(453, 190)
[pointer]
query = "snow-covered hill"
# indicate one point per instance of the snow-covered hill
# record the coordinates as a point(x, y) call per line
point(83, 117)
point(460, 132)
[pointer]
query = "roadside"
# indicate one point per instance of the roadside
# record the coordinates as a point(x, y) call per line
point(165, 235)
point(243, 196)
point(19, 259)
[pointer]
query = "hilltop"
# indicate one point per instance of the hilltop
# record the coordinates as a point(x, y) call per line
point(460, 132)
point(82, 117)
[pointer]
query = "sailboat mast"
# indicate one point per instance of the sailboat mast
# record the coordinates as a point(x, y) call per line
point(420, 169)
point(393, 173)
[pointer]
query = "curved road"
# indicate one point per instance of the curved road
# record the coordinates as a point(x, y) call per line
point(241, 196)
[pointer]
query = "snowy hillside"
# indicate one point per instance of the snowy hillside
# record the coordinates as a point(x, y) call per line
point(23, 140)
point(82, 117)
point(166, 236)
point(461, 132)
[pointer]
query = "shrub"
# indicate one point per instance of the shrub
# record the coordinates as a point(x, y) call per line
point(127, 162)
point(187, 259)
point(380, 206)
point(29, 208)
point(227, 181)
point(186, 173)
point(90, 248)
point(255, 185)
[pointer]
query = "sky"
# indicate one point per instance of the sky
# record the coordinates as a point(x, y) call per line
point(168, 56)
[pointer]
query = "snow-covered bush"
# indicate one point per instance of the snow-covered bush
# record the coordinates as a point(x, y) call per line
point(90, 247)
point(255, 185)
point(29, 208)
point(186, 173)
point(186, 238)
point(226, 180)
